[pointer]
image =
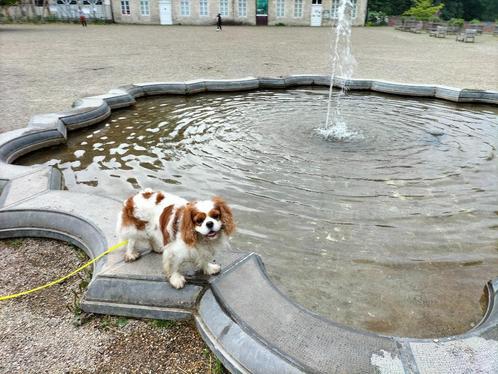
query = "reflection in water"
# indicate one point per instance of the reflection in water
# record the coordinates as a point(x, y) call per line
point(395, 231)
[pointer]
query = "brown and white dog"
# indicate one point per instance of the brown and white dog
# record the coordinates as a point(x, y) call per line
point(183, 231)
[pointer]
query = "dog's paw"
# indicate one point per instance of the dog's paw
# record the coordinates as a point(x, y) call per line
point(212, 269)
point(177, 280)
point(131, 256)
point(158, 249)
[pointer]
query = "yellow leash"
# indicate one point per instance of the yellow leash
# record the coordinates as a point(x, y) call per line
point(65, 277)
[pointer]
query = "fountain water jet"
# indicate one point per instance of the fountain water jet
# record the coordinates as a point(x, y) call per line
point(343, 62)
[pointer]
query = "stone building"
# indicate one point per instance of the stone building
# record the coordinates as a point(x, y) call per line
point(240, 12)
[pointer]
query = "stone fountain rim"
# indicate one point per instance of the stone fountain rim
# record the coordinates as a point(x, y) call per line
point(31, 194)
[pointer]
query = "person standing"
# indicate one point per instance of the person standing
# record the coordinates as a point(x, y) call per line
point(218, 22)
point(82, 17)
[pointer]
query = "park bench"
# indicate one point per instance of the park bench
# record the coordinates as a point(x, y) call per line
point(478, 28)
point(495, 32)
point(417, 28)
point(440, 32)
point(406, 24)
point(453, 29)
point(468, 35)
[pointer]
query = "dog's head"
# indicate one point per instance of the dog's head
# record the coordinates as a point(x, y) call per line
point(206, 220)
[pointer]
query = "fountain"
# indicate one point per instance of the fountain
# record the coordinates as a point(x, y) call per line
point(353, 216)
point(342, 63)
point(360, 216)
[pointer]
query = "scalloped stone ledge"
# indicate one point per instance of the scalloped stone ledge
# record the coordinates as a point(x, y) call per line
point(250, 325)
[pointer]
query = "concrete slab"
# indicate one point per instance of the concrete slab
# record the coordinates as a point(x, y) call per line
point(89, 222)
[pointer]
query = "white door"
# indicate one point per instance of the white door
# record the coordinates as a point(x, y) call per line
point(316, 13)
point(165, 12)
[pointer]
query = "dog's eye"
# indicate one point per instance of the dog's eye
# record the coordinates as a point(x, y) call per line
point(199, 220)
point(215, 216)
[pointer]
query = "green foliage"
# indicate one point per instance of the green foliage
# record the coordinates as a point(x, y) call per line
point(15, 243)
point(389, 7)
point(163, 324)
point(8, 2)
point(217, 368)
point(52, 18)
point(280, 24)
point(486, 10)
point(456, 22)
point(475, 21)
point(377, 19)
point(121, 322)
point(489, 10)
point(423, 10)
point(452, 9)
point(79, 318)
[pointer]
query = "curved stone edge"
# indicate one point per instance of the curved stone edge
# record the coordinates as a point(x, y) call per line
point(237, 350)
point(51, 128)
point(88, 222)
point(490, 319)
point(242, 348)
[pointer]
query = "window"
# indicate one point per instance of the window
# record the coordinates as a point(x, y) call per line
point(203, 8)
point(298, 8)
point(72, 2)
point(280, 8)
point(125, 7)
point(334, 9)
point(353, 12)
point(144, 8)
point(185, 8)
point(242, 8)
point(224, 7)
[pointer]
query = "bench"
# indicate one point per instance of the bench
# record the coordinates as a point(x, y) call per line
point(440, 32)
point(468, 35)
point(453, 29)
point(417, 29)
point(478, 28)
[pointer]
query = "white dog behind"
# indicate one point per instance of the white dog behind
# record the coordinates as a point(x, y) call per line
point(183, 231)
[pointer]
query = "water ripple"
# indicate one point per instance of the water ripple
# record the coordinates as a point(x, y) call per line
point(337, 222)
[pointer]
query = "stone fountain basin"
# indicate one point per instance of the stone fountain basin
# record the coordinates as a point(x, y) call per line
point(249, 324)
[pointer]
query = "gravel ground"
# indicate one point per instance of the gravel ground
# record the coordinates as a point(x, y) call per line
point(44, 68)
point(47, 333)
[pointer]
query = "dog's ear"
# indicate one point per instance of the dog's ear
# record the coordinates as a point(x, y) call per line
point(226, 215)
point(189, 234)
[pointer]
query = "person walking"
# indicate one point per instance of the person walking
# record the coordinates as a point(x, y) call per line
point(82, 17)
point(218, 22)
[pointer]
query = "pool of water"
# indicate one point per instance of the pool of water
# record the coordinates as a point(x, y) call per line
point(393, 229)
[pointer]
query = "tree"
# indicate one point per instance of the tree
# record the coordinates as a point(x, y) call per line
point(472, 9)
point(5, 4)
point(489, 10)
point(423, 10)
point(452, 9)
point(390, 7)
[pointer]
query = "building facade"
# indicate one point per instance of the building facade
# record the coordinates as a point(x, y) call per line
point(238, 12)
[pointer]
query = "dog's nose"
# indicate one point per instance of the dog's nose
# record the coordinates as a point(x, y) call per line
point(209, 224)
